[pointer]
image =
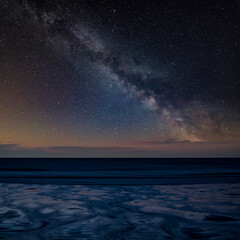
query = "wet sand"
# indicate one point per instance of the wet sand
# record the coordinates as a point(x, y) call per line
point(199, 211)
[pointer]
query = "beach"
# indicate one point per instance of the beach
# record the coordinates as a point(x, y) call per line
point(199, 211)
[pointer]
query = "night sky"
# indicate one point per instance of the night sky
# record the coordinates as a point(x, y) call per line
point(119, 78)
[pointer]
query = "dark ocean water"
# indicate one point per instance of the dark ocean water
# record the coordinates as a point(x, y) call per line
point(56, 199)
point(120, 171)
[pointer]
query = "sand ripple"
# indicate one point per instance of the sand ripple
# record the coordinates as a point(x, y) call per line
point(208, 211)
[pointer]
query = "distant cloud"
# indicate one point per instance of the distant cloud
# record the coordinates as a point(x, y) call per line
point(168, 148)
point(167, 141)
point(7, 146)
point(177, 141)
point(15, 150)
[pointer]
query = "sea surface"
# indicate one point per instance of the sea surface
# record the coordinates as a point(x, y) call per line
point(119, 171)
point(119, 199)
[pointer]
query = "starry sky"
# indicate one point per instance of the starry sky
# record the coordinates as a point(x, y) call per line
point(119, 78)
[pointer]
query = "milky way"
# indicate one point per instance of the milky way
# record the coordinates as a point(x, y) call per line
point(109, 74)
